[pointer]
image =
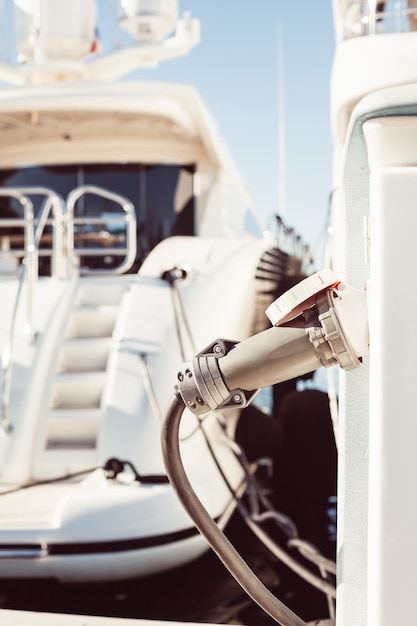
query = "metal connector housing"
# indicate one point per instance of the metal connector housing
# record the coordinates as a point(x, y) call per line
point(201, 385)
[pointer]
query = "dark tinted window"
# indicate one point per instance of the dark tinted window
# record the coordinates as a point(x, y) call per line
point(162, 196)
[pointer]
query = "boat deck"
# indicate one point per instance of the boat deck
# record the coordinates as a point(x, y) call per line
point(32, 618)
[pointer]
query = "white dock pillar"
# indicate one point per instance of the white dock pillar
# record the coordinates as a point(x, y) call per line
point(392, 553)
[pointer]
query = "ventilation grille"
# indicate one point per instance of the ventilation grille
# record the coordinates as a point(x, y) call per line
point(276, 272)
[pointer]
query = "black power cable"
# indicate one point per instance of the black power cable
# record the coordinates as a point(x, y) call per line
point(229, 556)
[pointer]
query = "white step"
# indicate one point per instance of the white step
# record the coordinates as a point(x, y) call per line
point(92, 321)
point(84, 354)
point(73, 414)
point(69, 429)
point(75, 390)
point(100, 291)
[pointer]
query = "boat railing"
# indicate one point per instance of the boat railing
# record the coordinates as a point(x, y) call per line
point(27, 270)
point(77, 231)
point(32, 233)
point(290, 242)
point(20, 251)
point(363, 18)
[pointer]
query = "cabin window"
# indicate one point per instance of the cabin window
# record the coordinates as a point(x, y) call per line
point(366, 17)
point(163, 196)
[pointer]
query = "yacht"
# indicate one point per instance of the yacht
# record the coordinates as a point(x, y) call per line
point(128, 240)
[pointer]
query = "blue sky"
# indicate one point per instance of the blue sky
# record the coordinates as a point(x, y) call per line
point(236, 70)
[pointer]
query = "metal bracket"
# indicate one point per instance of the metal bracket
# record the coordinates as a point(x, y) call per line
point(201, 384)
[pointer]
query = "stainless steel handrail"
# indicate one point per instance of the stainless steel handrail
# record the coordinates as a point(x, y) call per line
point(291, 243)
point(28, 270)
point(33, 234)
point(6, 361)
point(128, 217)
point(62, 255)
point(6, 364)
point(28, 223)
point(54, 202)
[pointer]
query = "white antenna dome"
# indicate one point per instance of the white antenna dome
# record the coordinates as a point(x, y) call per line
point(55, 30)
point(148, 21)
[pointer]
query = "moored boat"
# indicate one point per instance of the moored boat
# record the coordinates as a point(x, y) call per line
point(127, 241)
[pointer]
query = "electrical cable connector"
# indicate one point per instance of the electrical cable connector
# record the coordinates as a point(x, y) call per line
point(320, 322)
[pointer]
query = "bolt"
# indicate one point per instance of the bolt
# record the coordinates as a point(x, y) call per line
point(217, 349)
point(237, 398)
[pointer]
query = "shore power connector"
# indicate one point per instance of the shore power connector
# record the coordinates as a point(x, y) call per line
point(320, 322)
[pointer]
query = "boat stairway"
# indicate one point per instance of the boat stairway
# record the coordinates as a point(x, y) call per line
point(74, 399)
